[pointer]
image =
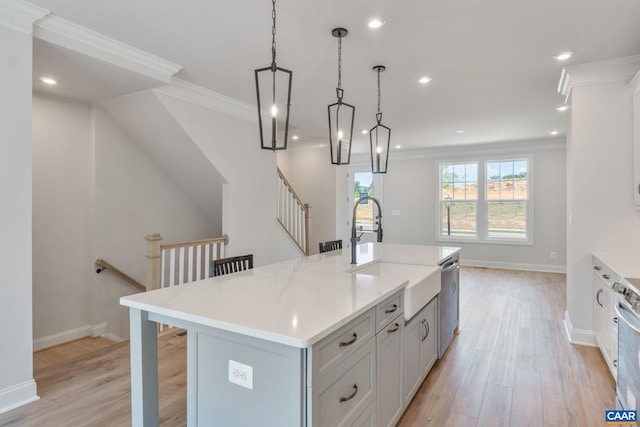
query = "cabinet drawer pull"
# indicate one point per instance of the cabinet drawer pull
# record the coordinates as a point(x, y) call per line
point(598, 297)
point(395, 307)
point(390, 331)
point(615, 363)
point(615, 320)
point(351, 396)
point(344, 344)
point(426, 329)
point(606, 276)
point(454, 286)
point(597, 267)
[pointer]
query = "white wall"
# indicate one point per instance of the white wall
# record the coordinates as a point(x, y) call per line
point(410, 187)
point(96, 195)
point(600, 209)
point(250, 198)
point(16, 376)
point(62, 222)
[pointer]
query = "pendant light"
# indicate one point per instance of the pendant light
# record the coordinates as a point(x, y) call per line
point(379, 136)
point(273, 88)
point(341, 115)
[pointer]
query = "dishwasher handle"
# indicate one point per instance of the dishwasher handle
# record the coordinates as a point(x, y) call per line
point(450, 266)
point(629, 319)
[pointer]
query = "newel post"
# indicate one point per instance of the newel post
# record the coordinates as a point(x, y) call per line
point(306, 228)
point(153, 260)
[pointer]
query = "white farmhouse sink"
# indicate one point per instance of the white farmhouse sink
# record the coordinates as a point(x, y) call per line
point(424, 282)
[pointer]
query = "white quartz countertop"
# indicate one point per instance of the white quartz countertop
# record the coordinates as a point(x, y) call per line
point(296, 302)
point(626, 266)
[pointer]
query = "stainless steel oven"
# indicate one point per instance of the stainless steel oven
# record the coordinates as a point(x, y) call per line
point(628, 311)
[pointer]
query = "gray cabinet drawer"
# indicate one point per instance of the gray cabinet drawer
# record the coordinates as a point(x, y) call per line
point(341, 396)
point(389, 309)
point(335, 348)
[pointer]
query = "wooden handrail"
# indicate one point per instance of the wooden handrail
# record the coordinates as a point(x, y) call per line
point(224, 239)
point(130, 280)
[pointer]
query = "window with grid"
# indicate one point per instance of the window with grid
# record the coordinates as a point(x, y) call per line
point(507, 197)
point(459, 199)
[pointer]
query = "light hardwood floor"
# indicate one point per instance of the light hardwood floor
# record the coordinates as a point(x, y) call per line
point(511, 365)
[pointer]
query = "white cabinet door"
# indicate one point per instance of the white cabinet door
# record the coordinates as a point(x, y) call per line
point(605, 326)
point(389, 359)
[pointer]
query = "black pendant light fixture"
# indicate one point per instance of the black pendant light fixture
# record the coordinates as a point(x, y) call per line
point(341, 115)
point(379, 136)
point(273, 87)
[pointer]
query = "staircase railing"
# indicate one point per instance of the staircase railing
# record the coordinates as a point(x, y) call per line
point(170, 264)
point(293, 214)
point(104, 265)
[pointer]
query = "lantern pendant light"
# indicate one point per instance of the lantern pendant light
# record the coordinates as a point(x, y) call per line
point(341, 115)
point(273, 88)
point(379, 136)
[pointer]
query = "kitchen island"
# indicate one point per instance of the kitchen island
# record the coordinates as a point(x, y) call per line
point(275, 344)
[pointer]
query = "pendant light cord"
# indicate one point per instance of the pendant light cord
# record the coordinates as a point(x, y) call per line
point(340, 62)
point(378, 90)
point(273, 33)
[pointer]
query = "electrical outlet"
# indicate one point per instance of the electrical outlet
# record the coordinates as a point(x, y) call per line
point(554, 255)
point(241, 374)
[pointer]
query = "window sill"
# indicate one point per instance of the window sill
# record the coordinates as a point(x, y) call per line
point(485, 241)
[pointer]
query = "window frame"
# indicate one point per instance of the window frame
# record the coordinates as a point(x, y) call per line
point(482, 203)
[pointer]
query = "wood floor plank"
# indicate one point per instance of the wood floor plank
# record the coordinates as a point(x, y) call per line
point(496, 407)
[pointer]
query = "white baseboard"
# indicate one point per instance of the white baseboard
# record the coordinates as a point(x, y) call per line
point(18, 395)
point(114, 337)
point(578, 336)
point(70, 335)
point(514, 266)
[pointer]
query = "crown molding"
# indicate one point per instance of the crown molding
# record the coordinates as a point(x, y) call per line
point(64, 33)
point(207, 98)
point(20, 15)
point(597, 72)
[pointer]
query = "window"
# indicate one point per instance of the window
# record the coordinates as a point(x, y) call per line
point(459, 199)
point(486, 200)
point(507, 197)
point(363, 186)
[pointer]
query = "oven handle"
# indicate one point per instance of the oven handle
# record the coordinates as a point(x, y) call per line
point(622, 310)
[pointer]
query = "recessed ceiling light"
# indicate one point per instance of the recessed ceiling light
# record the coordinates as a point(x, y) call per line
point(294, 137)
point(459, 131)
point(48, 80)
point(563, 56)
point(364, 131)
point(398, 146)
point(562, 107)
point(375, 23)
point(424, 80)
point(554, 132)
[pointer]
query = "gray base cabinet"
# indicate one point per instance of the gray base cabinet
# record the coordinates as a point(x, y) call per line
point(420, 348)
point(353, 377)
point(389, 350)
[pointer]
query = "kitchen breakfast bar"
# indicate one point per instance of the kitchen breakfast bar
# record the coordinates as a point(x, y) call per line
point(307, 342)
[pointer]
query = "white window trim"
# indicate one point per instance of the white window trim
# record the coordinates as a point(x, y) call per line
point(482, 202)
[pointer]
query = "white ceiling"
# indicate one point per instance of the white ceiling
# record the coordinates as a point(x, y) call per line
point(491, 61)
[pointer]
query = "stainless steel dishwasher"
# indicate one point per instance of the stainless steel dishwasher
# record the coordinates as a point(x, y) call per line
point(448, 302)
